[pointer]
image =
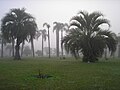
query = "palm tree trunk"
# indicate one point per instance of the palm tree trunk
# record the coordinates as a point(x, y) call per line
point(49, 42)
point(42, 45)
point(17, 53)
point(57, 43)
point(2, 48)
point(32, 47)
point(61, 44)
point(13, 50)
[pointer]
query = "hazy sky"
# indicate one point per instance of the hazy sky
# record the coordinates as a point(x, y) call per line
point(62, 10)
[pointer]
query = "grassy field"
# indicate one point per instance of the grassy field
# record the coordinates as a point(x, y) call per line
point(68, 74)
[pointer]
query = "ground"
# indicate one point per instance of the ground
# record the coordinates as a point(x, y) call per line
point(67, 74)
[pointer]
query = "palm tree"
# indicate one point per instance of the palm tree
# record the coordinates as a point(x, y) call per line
point(87, 36)
point(44, 36)
point(18, 25)
point(48, 26)
point(58, 26)
point(65, 28)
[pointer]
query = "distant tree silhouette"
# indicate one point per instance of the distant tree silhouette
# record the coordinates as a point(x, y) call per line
point(20, 26)
point(87, 36)
point(48, 26)
point(39, 52)
point(3, 42)
point(27, 51)
point(65, 28)
point(57, 27)
point(44, 36)
point(119, 45)
point(9, 47)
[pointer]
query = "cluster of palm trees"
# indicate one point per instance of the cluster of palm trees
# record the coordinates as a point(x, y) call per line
point(85, 34)
point(18, 26)
point(57, 27)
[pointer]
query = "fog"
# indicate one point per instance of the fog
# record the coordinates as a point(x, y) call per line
point(61, 11)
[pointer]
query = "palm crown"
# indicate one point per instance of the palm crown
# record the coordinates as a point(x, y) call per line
point(87, 36)
point(18, 24)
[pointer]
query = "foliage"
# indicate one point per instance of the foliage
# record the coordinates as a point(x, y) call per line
point(86, 35)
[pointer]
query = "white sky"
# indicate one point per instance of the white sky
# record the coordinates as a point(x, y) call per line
point(62, 10)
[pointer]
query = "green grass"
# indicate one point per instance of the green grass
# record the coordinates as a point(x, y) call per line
point(68, 74)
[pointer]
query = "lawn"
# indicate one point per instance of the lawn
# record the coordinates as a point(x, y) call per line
point(68, 74)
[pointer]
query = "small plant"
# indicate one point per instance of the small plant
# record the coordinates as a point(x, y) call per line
point(42, 76)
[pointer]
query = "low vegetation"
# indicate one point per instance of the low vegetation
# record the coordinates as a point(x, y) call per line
point(67, 74)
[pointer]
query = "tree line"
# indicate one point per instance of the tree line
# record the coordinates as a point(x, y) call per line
point(84, 34)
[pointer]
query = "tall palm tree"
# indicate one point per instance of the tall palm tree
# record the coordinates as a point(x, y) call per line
point(65, 28)
point(44, 36)
point(58, 26)
point(48, 26)
point(19, 25)
point(86, 35)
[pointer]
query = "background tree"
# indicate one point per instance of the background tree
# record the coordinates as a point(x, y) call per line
point(65, 28)
point(57, 27)
point(18, 24)
point(44, 36)
point(1, 42)
point(119, 45)
point(88, 36)
point(48, 26)
point(27, 51)
point(9, 47)
point(39, 52)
